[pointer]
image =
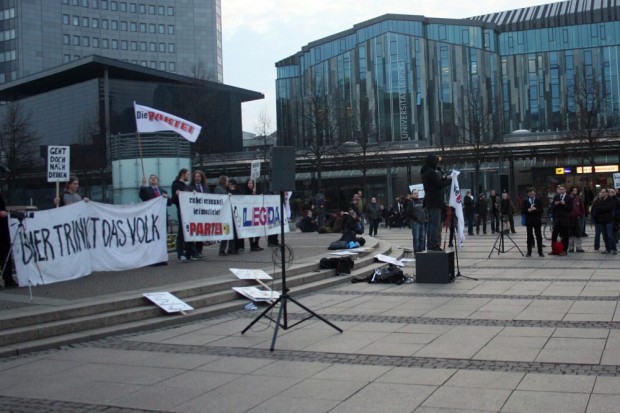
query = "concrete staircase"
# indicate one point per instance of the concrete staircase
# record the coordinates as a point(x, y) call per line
point(41, 329)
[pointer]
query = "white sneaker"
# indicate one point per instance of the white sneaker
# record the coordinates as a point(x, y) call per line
point(182, 259)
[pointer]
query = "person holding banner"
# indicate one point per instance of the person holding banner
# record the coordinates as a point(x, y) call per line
point(222, 188)
point(153, 190)
point(250, 189)
point(70, 196)
point(184, 249)
point(199, 184)
point(6, 264)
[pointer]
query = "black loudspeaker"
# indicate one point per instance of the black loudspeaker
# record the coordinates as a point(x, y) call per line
point(283, 168)
point(434, 267)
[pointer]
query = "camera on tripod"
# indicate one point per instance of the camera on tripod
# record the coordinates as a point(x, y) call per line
point(20, 215)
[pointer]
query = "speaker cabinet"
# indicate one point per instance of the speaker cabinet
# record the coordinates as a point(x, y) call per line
point(434, 267)
point(283, 168)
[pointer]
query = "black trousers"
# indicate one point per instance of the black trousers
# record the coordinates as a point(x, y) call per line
point(531, 230)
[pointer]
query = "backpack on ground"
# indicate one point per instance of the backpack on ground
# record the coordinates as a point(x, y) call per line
point(385, 275)
point(342, 265)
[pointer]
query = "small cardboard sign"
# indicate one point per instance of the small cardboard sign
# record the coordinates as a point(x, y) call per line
point(168, 302)
point(58, 163)
point(255, 170)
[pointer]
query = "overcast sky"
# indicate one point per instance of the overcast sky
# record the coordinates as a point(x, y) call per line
point(256, 34)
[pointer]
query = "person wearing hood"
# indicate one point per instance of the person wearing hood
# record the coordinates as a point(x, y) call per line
point(434, 182)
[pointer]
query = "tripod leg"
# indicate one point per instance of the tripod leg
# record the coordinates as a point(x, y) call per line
point(275, 331)
point(261, 315)
point(315, 314)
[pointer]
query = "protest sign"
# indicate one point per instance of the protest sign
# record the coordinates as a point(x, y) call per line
point(58, 163)
point(75, 240)
point(257, 216)
point(206, 217)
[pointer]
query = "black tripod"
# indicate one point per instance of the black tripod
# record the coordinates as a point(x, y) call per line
point(284, 297)
point(454, 232)
point(500, 240)
point(20, 233)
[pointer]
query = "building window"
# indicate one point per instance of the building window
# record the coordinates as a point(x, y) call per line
point(84, 3)
point(162, 29)
point(162, 65)
point(153, 47)
point(114, 24)
point(170, 11)
point(151, 28)
point(135, 62)
point(65, 19)
point(66, 58)
point(133, 26)
point(123, 6)
point(113, 6)
point(105, 43)
point(161, 10)
point(76, 20)
point(114, 44)
point(142, 27)
point(172, 67)
point(134, 46)
point(65, 1)
point(104, 24)
point(95, 42)
point(143, 46)
point(86, 41)
point(76, 40)
point(104, 4)
point(151, 9)
point(95, 22)
point(143, 63)
point(170, 47)
point(123, 44)
point(153, 64)
point(95, 4)
point(142, 10)
point(132, 8)
point(124, 26)
point(170, 29)
point(66, 39)
point(162, 48)
point(85, 21)
point(74, 2)
point(76, 56)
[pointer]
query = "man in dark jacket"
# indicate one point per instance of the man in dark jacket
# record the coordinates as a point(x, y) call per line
point(532, 207)
point(434, 182)
point(562, 207)
point(603, 214)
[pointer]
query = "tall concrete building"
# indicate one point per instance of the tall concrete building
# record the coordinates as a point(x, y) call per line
point(178, 36)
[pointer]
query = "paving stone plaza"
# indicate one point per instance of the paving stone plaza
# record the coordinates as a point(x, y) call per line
point(530, 335)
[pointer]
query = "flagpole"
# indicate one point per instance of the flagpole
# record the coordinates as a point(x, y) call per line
point(139, 142)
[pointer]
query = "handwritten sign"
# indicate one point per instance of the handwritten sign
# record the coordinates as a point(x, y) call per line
point(58, 163)
point(255, 170)
point(168, 302)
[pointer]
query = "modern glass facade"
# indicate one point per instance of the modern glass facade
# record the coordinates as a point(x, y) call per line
point(178, 36)
point(400, 78)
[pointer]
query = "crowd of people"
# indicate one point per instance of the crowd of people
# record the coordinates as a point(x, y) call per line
point(425, 217)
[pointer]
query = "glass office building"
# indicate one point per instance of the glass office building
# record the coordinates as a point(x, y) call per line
point(401, 78)
point(178, 36)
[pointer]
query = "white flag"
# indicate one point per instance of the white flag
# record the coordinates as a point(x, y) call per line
point(153, 120)
point(456, 203)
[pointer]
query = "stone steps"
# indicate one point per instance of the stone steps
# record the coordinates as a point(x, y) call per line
point(50, 328)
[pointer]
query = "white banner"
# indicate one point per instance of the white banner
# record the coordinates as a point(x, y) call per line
point(153, 120)
point(457, 204)
point(616, 180)
point(258, 215)
point(206, 217)
point(73, 241)
point(58, 163)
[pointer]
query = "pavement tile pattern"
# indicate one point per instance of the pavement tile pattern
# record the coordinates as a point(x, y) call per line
point(530, 335)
